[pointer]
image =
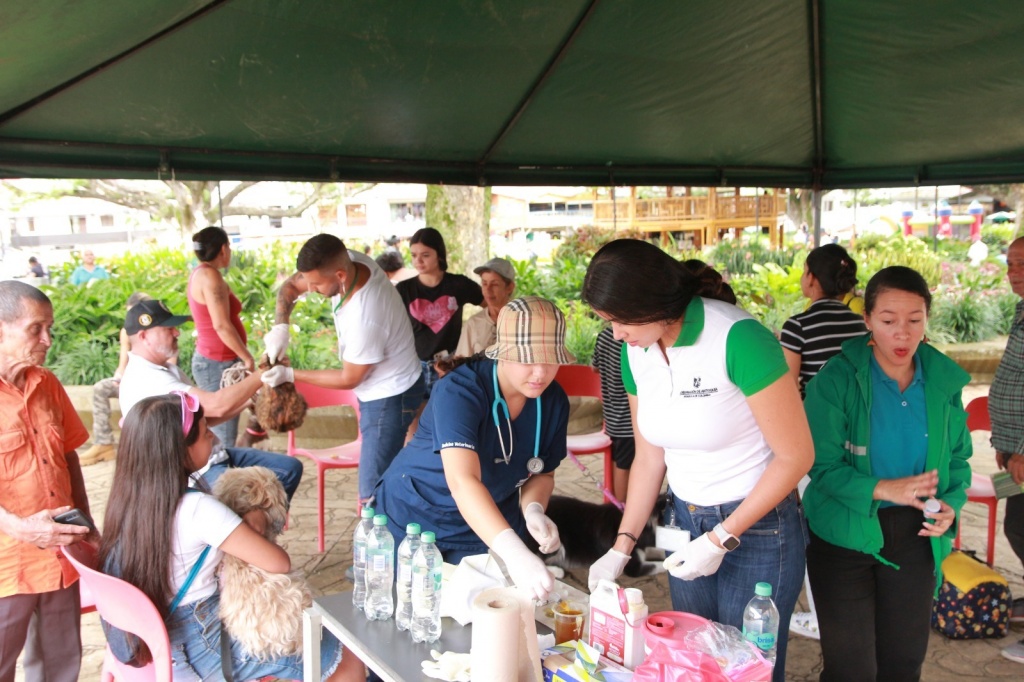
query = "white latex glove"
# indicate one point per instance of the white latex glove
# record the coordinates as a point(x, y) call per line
point(543, 529)
point(608, 567)
point(699, 558)
point(524, 567)
point(276, 342)
point(277, 375)
point(448, 666)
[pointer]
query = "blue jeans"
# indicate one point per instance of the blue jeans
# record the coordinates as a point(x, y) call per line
point(430, 377)
point(206, 373)
point(287, 469)
point(771, 551)
point(195, 632)
point(383, 424)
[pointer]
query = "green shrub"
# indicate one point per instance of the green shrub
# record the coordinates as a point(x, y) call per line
point(85, 362)
point(582, 328)
point(873, 252)
point(1006, 304)
point(963, 317)
point(87, 319)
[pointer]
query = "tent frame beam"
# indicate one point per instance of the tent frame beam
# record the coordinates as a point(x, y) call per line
point(549, 68)
point(102, 66)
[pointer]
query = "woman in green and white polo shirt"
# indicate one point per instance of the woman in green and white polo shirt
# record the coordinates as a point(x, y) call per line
point(715, 409)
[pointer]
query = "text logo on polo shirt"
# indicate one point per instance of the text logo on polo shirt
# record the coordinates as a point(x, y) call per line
point(697, 391)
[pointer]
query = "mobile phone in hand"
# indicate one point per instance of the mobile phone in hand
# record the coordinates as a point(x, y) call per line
point(75, 517)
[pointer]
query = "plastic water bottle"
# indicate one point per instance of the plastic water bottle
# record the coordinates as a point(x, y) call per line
point(380, 570)
point(761, 621)
point(426, 590)
point(406, 550)
point(363, 529)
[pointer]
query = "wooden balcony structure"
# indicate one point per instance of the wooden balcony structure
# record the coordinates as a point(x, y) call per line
point(706, 217)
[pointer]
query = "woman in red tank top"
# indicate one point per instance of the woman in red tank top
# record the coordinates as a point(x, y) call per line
point(221, 339)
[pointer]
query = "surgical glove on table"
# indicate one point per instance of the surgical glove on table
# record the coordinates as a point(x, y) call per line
point(277, 375)
point(276, 342)
point(699, 558)
point(447, 666)
point(524, 567)
point(543, 529)
point(608, 567)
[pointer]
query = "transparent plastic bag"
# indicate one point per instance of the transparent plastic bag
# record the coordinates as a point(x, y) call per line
point(665, 664)
point(738, 660)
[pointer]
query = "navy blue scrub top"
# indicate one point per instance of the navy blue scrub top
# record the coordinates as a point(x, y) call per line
point(458, 414)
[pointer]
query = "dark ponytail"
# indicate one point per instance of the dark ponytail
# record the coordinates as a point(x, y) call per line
point(208, 242)
point(634, 282)
point(711, 283)
point(834, 269)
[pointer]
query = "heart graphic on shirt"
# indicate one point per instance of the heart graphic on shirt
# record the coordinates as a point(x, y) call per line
point(434, 314)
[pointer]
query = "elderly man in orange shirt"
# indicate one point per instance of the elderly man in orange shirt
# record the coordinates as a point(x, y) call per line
point(39, 478)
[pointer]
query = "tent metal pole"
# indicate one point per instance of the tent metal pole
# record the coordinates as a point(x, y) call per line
point(816, 201)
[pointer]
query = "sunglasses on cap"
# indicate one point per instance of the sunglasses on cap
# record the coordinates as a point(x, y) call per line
point(189, 407)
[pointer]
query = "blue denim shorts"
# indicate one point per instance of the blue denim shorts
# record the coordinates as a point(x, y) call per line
point(195, 633)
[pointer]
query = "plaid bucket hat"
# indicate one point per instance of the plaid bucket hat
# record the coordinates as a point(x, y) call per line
point(531, 330)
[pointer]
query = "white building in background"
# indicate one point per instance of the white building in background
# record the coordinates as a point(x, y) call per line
point(53, 229)
point(383, 210)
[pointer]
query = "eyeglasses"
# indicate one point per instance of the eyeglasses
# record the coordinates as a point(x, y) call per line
point(189, 407)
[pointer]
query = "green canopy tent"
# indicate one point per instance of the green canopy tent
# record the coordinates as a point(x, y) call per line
point(786, 93)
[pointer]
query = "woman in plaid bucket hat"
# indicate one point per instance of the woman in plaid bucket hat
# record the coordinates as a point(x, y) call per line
point(498, 421)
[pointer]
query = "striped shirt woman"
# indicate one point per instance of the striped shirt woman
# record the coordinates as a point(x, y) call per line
point(815, 335)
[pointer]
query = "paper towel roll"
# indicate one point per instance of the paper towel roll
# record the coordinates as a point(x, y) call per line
point(494, 651)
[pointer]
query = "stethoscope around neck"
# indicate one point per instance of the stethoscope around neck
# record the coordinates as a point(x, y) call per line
point(536, 464)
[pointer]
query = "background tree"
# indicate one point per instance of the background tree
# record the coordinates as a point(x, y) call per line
point(461, 214)
point(191, 204)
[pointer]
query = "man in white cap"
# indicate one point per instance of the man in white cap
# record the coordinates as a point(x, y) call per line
point(497, 281)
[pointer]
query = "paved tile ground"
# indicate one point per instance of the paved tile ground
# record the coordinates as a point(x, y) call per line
point(947, 661)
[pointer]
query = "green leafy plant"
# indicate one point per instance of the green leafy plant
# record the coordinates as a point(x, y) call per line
point(581, 330)
point(83, 362)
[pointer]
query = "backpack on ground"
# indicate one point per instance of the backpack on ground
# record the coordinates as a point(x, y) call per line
point(974, 600)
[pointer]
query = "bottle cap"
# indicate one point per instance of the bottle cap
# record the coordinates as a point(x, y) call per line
point(634, 595)
point(763, 589)
point(412, 529)
point(367, 513)
point(427, 537)
point(380, 520)
point(932, 506)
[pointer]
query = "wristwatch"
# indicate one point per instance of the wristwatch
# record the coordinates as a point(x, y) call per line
point(728, 540)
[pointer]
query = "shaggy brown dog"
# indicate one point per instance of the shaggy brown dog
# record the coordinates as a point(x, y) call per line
point(281, 408)
point(261, 611)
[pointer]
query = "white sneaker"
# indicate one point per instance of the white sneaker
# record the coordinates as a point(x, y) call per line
point(804, 623)
point(1015, 652)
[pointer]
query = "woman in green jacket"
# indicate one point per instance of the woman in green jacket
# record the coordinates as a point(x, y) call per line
point(890, 434)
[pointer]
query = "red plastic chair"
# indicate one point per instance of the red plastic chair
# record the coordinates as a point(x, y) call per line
point(338, 457)
point(124, 606)
point(584, 381)
point(981, 489)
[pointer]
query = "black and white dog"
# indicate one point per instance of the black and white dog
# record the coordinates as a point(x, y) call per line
point(588, 530)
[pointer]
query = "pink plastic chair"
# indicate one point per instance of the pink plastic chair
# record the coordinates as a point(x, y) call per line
point(584, 381)
point(338, 457)
point(124, 606)
point(981, 490)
